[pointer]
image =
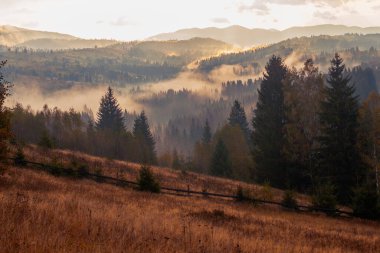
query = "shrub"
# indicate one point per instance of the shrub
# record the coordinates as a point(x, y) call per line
point(266, 192)
point(147, 181)
point(82, 171)
point(325, 199)
point(365, 203)
point(289, 200)
point(241, 194)
point(56, 168)
point(99, 173)
point(45, 140)
point(19, 158)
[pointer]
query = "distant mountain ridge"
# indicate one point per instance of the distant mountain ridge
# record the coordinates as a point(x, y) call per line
point(12, 36)
point(245, 37)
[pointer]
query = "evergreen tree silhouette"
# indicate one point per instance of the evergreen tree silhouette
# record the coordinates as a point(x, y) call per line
point(268, 126)
point(110, 116)
point(220, 162)
point(238, 118)
point(340, 159)
point(146, 152)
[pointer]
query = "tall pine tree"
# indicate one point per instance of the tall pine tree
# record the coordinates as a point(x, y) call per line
point(220, 162)
point(4, 113)
point(268, 126)
point(110, 116)
point(238, 118)
point(145, 149)
point(340, 160)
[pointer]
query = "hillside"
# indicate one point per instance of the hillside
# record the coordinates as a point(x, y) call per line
point(302, 47)
point(357, 50)
point(245, 37)
point(12, 36)
point(121, 63)
point(64, 44)
point(43, 213)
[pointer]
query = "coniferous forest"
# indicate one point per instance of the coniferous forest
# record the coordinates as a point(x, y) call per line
point(309, 132)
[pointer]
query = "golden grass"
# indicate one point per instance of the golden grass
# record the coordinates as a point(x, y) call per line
point(167, 177)
point(42, 213)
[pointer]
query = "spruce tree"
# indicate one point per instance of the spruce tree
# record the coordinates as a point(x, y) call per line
point(238, 118)
point(268, 126)
point(340, 160)
point(206, 136)
point(220, 162)
point(110, 116)
point(4, 113)
point(146, 152)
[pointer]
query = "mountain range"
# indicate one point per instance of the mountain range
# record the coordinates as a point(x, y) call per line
point(245, 37)
point(240, 36)
point(12, 36)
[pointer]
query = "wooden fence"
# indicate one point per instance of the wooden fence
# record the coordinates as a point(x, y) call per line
point(184, 192)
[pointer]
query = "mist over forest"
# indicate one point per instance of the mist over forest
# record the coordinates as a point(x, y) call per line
point(211, 138)
point(179, 84)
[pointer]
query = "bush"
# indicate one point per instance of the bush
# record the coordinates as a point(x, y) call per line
point(289, 200)
point(99, 173)
point(147, 181)
point(266, 192)
point(45, 141)
point(80, 169)
point(241, 194)
point(325, 199)
point(20, 157)
point(365, 203)
point(56, 168)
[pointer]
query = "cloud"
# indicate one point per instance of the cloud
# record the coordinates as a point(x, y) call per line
point(259, 7)
point(324, 15)
point(220, 20)
point(121, 21)
point(333, 3)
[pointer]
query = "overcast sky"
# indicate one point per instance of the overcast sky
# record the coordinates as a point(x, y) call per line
point(138, 19)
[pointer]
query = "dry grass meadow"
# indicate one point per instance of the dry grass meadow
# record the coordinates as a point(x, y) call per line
point(43, 213)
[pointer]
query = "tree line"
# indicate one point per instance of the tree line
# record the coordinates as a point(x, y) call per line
point(309, 133)
point(107, 136)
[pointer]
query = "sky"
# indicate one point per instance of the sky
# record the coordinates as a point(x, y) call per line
point(139, 19)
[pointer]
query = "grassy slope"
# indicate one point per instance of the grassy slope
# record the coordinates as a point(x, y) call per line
point(42, 213)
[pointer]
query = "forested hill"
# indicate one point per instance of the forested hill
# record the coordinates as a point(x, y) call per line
point(122, 63)
point(304, 47)
point(12, 36)
point(358, 50)
point(245, 37)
